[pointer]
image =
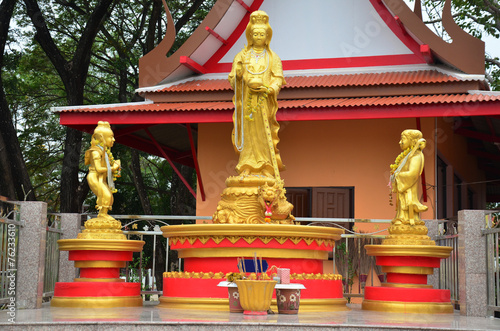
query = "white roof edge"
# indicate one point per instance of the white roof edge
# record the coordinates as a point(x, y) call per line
point(337, 71)
point(59, 109)
point(181, 81)
point(458, 74)
point(492, 93)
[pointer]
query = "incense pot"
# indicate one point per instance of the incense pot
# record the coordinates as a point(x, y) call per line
point(255, 295)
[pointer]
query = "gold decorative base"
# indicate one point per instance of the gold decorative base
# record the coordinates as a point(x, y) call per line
point(408, 239)
point(408, 307)
point(214, 304)
point(442, 252)
point(100, 245)
point(102, 228)
point(96, 302)
point(243, 201)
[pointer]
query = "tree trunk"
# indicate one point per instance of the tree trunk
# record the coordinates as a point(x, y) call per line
point(135, 167)
point(7, 187)
point(16, 174)
point(182, 201)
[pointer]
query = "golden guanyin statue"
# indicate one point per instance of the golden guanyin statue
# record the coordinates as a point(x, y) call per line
point(256, 78)
point(407, 227)
point(103, 171)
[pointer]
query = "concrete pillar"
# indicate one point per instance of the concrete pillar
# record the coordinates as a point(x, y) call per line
point(70, 225)
point(432, 226)
point(31, 256)
point(472, 263)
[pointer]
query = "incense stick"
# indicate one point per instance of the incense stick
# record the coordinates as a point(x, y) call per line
point(261, 267)
point(243, 263)
point(255, 263)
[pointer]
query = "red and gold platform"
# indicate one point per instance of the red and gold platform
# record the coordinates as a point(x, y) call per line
point(210, 251)
point(99, 285)
point(406, 289)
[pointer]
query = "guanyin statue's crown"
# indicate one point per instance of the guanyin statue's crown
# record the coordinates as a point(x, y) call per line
point(259, 17)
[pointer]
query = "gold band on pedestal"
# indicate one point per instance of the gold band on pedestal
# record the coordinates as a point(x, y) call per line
point(96, 302)
point(441, 252)
point(309, 305)
point(250, 232)
point(100, 245)
point(408, 270)
point(102, 280)
point(408, 307)
point(249, 252)
point(406, 285)
point(100, 264)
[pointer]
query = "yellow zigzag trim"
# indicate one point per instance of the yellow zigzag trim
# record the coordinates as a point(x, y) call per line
point(250, 240)
point(220, 275)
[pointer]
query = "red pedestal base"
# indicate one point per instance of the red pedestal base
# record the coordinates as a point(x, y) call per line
point(100, 285)
point(212, 250)
point(406, 290)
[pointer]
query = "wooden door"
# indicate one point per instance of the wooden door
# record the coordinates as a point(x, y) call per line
point(331, 202)
point(300, 199)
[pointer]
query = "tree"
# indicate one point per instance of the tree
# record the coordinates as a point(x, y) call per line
point(11, 159)
point(94, 47)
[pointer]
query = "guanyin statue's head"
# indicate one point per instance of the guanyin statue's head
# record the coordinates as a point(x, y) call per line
point(258, 30)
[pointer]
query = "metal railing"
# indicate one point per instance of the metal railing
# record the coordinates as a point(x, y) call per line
point(349, 252)
point(448, 271)
point(51, 273)
point(349, 256)
point(137, 270)
point(10, 222)
point(491, 232)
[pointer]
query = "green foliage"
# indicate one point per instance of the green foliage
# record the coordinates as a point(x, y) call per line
point(33, 86)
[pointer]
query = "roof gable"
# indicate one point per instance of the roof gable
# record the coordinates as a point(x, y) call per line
point(313, 34)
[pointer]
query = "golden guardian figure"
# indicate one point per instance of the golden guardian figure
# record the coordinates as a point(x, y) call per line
point(407, 226)
point(256, 78)
point(103, 171)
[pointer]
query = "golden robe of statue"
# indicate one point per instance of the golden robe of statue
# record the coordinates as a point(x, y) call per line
point(257, 194)
point(256, 77)
point(103, 170)
point(407, 226)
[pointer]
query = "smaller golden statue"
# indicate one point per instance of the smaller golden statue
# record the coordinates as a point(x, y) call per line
point(103, 171)
point(407, 228)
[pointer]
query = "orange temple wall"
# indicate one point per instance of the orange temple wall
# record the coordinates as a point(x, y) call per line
point(342, 153)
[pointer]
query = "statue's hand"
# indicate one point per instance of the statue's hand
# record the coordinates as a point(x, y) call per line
point(117, 165)
point(260, 89)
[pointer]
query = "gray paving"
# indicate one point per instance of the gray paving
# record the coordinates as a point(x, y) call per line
point(150, 317)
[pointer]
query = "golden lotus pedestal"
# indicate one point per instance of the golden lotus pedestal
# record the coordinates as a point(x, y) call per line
point(210, 251)
point(99, 285)
point(406, 289)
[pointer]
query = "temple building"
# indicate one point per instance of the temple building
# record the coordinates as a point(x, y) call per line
point(358, 73)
